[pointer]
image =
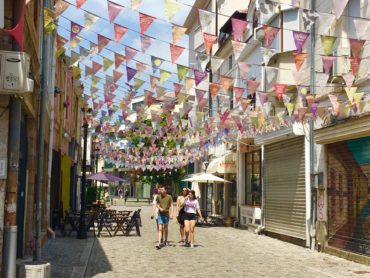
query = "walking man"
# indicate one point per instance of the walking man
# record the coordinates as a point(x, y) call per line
point(165, 213)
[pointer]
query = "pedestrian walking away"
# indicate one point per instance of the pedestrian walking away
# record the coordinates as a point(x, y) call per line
point(191, 209)
point(180, 213)
point(165, 213)
point(126, 196)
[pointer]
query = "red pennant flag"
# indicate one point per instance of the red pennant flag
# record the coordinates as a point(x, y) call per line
point(176, 51)
point(355, 65)
point(356, 47)
point(280, 90)
point(252, 86)
point(130, 53)
point(238, 92)
point(96, 67)
point(113, 10)
point(116, 75)
point(177, 88)
point(118, 59)
point(214, 89)
point(209, 40)
point(299, 59)
point(119, 32)
point(270, 34)
point(102, 42)
point(145, 22)
point(79, 3)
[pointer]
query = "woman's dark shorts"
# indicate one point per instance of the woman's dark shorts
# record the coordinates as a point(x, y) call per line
point(190, 216)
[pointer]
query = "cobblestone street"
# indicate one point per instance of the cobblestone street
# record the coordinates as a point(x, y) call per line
point(218, 252)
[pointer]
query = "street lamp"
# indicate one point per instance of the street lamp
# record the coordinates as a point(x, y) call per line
point(82, 230)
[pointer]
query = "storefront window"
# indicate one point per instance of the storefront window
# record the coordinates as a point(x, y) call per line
point(253, 179)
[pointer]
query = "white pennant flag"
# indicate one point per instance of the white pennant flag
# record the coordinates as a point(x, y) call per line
point(216, 64)
point(325, 22)
point(206, 18)
point(360, 27)
point(203, 60)
point(338, 7)
point(238, 48)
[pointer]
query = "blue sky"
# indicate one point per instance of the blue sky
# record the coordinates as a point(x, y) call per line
point(160, 30)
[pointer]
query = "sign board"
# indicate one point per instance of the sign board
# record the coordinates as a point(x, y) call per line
point(2, 14)
point(3, 168)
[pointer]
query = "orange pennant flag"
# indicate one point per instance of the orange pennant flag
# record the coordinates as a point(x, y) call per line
point(177, 33)
point(209, 40)
point(226, 82)
point(118, 59)
point(214, 88)
point(176, 51)
point(119, 32)
point(145, 22)
point(117, 75)
point(79, 3)
point(299, 59)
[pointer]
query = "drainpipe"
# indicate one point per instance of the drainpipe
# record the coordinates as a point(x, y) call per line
point(312, 143)
point(51, 135)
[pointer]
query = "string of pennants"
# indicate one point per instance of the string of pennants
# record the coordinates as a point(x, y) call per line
point(249, 119)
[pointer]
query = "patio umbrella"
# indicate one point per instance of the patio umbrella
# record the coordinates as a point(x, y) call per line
point(104, 177)
point(206, 178)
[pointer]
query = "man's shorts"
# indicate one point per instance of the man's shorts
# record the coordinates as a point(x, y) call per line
point(163, 219)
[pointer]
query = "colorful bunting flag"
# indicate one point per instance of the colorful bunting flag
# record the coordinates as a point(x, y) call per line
point(107, 63)
point(177, 88)
point(79, 3)
point(252, 86)
point(177, 33)
point(244, 69)
point(199, 94)
point(117, 75)
point(209, 40)
point(239, 26)
point(238, 48)
point(339, 7)
point(176, 51)
point(327, 44)
point(356, 47)
point(226, 83)
point(138, 83)
point(141, 67)
point(214, 88)
point(60, 7)
point(270, 34)
point(96, 67)
point(135, 4)
point(164, 75)
point(145, 22)
point(280, 90)
point(199, 76)
point(238, 93)
point(102, 42)
point(171, 7)
point(153, 81)
point(156, 63)
point(355, 65)
point(113, 10)
point(75, 29)
point(205, 19)
point(90, 20)
point(349, 78)
point(328, 63)
point(146, 42)
point(299, 59)
point(182, 71)
point(216, 63)
point(130, 73)
point(299, 39)
point(130, 53)
point(119, 32)
point(118, 59)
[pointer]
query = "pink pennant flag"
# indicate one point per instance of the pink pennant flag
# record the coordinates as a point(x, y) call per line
point(355, 65)
point(270, 34)
point(148, 98)
point(280, 90)
point(96, 67)
point(209, 40)
point(199, 76)
point(199, 94)
point(176, 51)
point(177, 88)
point(116, 75)
point(146, 42)
point(356, 47)
point(224, 116)
point(130, 73)
point(79, 3)
point(349, 79)
point(145, 22)
point(118, 59)
point(244, 69)
point(339, 7)
point(328, 63)
point(102, 42)
point(245, 103)
point(214, 88)
point(239, 26)
point(130, 53)
point(252, 86)
point(238, 92)
point(238, 122)
point(299, 39)
point(119, 32)
point(113, 10)
point(202, 103)
point(263, 97)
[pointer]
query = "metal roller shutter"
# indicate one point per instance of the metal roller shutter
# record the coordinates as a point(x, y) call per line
point(284, 184)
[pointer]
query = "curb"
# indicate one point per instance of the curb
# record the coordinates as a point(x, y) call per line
point(80, 271)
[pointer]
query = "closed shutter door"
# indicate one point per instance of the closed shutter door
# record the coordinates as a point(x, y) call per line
point(284, 184)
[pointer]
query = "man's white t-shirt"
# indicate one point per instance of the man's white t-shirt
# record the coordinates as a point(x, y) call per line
point(191, 206)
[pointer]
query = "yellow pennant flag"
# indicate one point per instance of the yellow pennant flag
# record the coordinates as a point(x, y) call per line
point(357, 98)
point(351, 91)
point(138, 83)
point(135, 4)
point(290, 107)
point(189, 83)
point(171, 7)
point(106, 63)
point(177, 33)
point(345, 108)
point(182, 97)
point(327, 44)
point(60, 51)
point(163, 76)
point(73, 43)
point(49, 16)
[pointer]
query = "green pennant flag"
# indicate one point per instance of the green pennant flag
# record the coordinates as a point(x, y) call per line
point(138, 83)
point(182, 71)
point(95, 80)
point(327, 44)
point(164, 75)
point(106, 63)
point(50, 27)
point(60, 51)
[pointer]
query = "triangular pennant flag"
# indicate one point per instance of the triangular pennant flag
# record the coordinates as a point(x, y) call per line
point(93, 49)
point(216, 63)
point(356, 47)
point(202, 103)
point(160, 92)
point(199, 94)
point(239, 26)
point(361, 26)
point(339, 7)
point(138, 83)
point(349, 79)
point(96, 67)
point(238, 93)
point(290, 107)
point(130, 73)
point(326, 22)
point(102, 42)
point(156, 63)
point(358, 97)
point(328, 63)
point(253, 85)
point(153, 81)
point(244, 69)
point(270, 34)
point(88, 71)
point(73, 43)
point(209, 40)
point(203, 60)
point(355, 65)
point(118, 59)
point(74, 57)
point(199, 76)
point(95, 80)
point(206, 18)
point(60, 7)
point(214, 88)
point(145, 22)
point(116, 75)
point(189, 83)
point(130, 53)
point(171, 7)
point(75, 29)
point(299, 39)
point(299, 59)
point(245, 103)
point(90, 20)
point(182, 71)
point(79, 3)
point(176, 51)
point(146, 42)
point(83, 53)
point(148, 98)
point(119, 32)
point(263, 97)
point(238, 48)
point(177, 33)
point(135, 4)
point(226, 83)
point(328, 44)
point(177, 88)
point(140, 67)
point(280, 90)
point(107, 63)
point(164, 75)
point(113, 10)
point(351, 93)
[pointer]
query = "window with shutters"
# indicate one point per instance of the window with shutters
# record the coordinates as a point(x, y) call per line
point(253, 178)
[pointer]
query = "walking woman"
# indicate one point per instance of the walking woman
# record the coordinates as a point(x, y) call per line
point(191, 210)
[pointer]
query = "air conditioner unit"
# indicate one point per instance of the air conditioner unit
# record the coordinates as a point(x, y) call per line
point(14, 70)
